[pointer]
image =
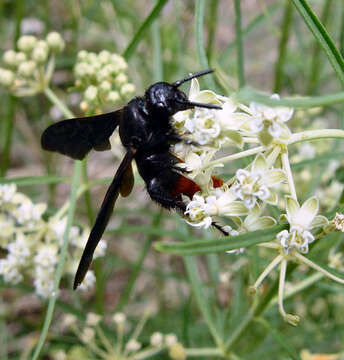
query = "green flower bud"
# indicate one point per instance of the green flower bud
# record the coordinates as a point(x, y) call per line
point(20, 58)
point(26, 68)
point(6, 77)
point(82, 55)
point(92, 57)
point(39, 54)
point(9, 58)
point(26, 43)
point(121, 79)
point(82, 69)
point(55, 42)
point(177, 352)
point(91, 94)
point(43, 45)
point(84, 106)
point(127, 90)
point(105, 87)
point(104, 56)
point(113, 97)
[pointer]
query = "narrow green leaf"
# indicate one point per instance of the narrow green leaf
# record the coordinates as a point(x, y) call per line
point(220, 245)
point(35, 180)
point(321, 35)
point(281, 339)
point(246, 95)
point(129, 51)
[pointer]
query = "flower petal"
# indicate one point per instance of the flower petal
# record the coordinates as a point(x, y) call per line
point(292, 206)
point(236, 208)
point(307, 212)
point(318, 221)
point(259, 163)
point(273, 177)
point(261, 223)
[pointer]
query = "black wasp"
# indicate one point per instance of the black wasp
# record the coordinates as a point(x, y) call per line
point(147, 134)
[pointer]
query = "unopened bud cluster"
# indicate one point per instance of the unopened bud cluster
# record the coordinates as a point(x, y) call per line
point(103, 80)
point(28, 71)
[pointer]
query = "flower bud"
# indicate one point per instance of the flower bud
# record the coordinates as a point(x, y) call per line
point(121, 79)
point(82, 55)
point(20, 58)
point(156, 339)
point(26, 43)
point(104, 56)
point(113, 97)
point(81, 70)
point(119, 318)
point(177, 352)
point(55, 41)
point(6, 77)
point(127, 90)
point(91, 93)
point(9, 58)
point(133, 345)
point(26, 68)
point(105, 87)
point(39, 55)
point(84, 106)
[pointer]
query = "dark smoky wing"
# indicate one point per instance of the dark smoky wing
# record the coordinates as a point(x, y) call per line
point(102, 218)
point(76, 137)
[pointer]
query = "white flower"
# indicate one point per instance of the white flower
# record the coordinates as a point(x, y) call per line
point(93, 319)
point(46, 255)
point(44, 285)
point(87, 335)
point(119, 318)
point(7, 192)
point(156, 339)
point(9, 270)
point(220, 203)
point(88, 282)
point(302, 220)
point(270, 121)
point(256, 183)
point(133, 345)
point(19, 248)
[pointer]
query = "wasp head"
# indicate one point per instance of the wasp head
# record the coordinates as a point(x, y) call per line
point(166, 99)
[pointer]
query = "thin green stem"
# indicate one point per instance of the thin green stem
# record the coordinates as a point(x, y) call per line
point(62, 260)
point(199, 27)
point(158, 74)
point(289, 174)
point(56, 101)
point(239, 42)
point(212, 26)
point(316, 58)
point(138, 266)
point(316, 134)
point(236, 156)
point(129, 51)
point(203, 352)
point(282, 49)
point(321, 35)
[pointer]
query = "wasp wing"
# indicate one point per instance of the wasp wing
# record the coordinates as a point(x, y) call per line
point(76, 137)
point(102, 218)
point(127, 182)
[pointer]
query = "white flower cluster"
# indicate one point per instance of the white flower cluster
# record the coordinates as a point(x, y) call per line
point(29, 70)
point(33, 243)
point(209, 130)
point(102, 78)
point(92, 337)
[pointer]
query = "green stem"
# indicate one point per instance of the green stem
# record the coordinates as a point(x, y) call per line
point(321, 35)
point(56, 101)
point(62, 260)
point(196, 285)
point(138, 267)
point(203, 352)
point(316, 58)
point(199, 26)
point(316, 134)
point(212, 26)
point(279, 67)
point(158, 74)
point(129, 51)
point(239, 42)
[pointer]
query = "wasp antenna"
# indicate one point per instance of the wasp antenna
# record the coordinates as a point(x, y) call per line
point(206, 106)
point(192, 76)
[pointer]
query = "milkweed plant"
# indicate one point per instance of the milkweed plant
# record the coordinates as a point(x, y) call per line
point(244, 203)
